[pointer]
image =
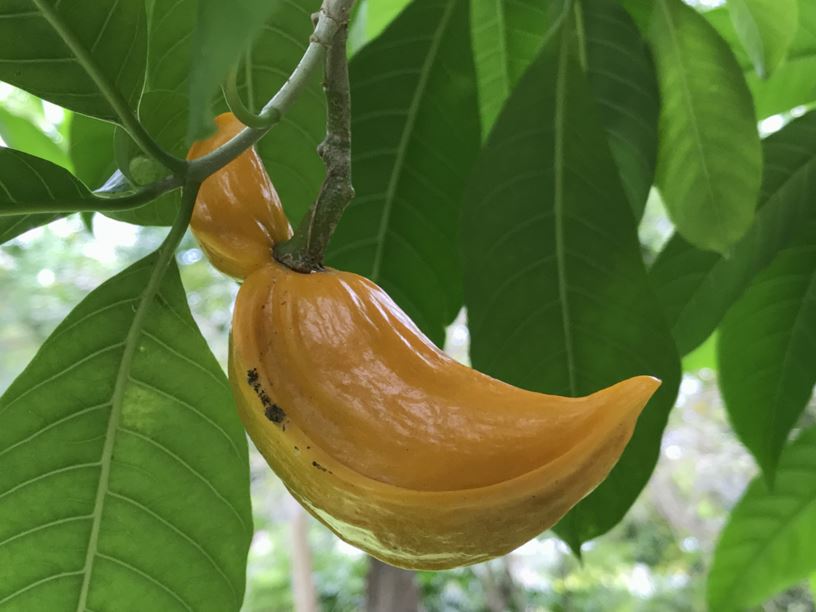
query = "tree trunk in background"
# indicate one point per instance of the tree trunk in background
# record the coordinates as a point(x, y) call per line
point(390, 589)
point(501, 592)
point(302, 583)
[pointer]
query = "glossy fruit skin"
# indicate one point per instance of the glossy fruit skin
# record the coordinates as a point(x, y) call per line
point(400, 450)
point(238, 216)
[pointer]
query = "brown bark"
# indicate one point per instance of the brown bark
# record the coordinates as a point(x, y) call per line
point(390, 589)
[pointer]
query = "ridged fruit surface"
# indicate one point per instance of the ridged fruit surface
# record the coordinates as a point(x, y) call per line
point(400, 450)
point(238, 215)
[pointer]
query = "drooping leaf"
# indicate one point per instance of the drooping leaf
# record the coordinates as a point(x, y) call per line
point(27, 181)
point(123, 466)
point(416, 134)
point(556, 291)
point(709, 160)
point(767, 352)
point(769, 542)
point(35, 57)
point(695, 287)
point(223, 32)
point(21, 134)
point(289, 150)
point(766, 29)
point(507, 36)
point(622, 77)
point(91, 148)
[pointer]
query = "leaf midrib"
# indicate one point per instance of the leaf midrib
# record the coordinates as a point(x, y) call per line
point(117, 401)
point(773, 417)
point(399, 162)
point(689, 104)
point(558, 205)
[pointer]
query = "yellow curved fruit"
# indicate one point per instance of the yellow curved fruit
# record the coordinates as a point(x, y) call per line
point(238, 215)
point(400, 450)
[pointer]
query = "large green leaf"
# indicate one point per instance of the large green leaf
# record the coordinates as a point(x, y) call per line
point(622, 77)
point(35, 57)
point(507, 35)
point(709, 160)
point(416, 134)
point(767, 352)
point(20, 133)
point(766, 29)
point(696, 287)
point(556, 291)
point(27, 181)
point(123, 466)
point(769, 542)
point(289, 150)
point(223, 32)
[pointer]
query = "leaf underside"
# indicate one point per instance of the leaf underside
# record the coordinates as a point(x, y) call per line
point(125, 476)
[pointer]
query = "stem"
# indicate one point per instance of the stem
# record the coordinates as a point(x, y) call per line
point(239, 109)
point(109, 91)
point(98, 203)
point(305, 251)
point(332, 14)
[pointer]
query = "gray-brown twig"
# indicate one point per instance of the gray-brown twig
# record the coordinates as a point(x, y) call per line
point(305, 251)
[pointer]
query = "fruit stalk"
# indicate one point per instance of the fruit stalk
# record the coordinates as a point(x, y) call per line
point(305, 251)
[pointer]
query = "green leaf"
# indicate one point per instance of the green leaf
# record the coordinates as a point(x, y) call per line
point(766, 29)
point(792, 82)
point(709, 160)
point(91, 148)
point(380, 14)
point(507, 36)
point(289, 150)
point(27, 181)
point(696, 288)
point(223, 32)
point(125, 472)
point(35, 57)
point(622, 77)
point(555, 287)
point(769, 542)
point(704, 357)
point(163, 115)
point(766, 353)
point(791, 85)
point(21, 134)
point(416, 135)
